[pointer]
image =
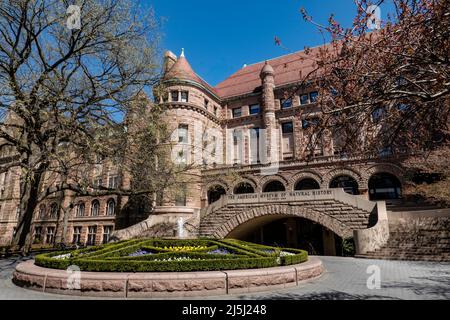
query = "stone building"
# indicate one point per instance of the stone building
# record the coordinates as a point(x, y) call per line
point(253, 123)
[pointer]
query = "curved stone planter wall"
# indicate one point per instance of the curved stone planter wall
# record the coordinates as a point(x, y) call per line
point(160, 284)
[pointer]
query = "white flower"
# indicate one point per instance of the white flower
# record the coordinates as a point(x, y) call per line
point(62, 256)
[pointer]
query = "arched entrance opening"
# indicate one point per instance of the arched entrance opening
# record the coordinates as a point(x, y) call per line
point(384, 186)
point(307, 184)
point(292, 232)
point(347, 183)
point(243, 188)
point(215, 193)
point(274, 186)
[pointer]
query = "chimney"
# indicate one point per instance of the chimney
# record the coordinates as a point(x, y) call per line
point(169, 60)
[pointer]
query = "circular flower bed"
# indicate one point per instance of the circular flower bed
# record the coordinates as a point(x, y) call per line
point(155, 255)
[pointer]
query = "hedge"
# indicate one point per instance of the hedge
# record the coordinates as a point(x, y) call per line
point(114, 257)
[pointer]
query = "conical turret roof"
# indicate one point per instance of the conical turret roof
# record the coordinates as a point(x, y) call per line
point(182, 70)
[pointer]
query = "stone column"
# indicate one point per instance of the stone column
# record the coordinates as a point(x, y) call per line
point(268, 108)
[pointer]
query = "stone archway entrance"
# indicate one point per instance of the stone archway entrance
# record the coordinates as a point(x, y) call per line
point(290, 231)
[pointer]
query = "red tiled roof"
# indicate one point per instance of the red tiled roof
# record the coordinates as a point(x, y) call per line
point(287, 70)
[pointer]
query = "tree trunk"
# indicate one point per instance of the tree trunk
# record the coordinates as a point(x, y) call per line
point(28, 205)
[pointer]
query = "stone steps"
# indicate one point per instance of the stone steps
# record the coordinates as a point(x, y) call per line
point(417, 239)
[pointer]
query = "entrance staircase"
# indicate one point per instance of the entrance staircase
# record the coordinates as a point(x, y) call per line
point(418, 235)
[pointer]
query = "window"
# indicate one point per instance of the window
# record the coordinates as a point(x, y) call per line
point(254, 145)
point(306, 123)
point(377, 114)
point(206, 104)
point(107, 230)
point(304, 99)
point(54, 210)
point(37, 234)
point(215, 111)
point(287, 140)
point(237, 112)
point(113, 182)
point(50, 235)
point(254, 109)
point(287, 127)
point(184, 96)
point(98, 182)
point(95, 208)
point(313, 96)
point(92, 231)
point(183, 133)
point(111, 207)
point(42, 211)
point(180, 196)
point(174, 95)
point(286, 103)
point(214, 146)
point(80, 209)
point(76, 235)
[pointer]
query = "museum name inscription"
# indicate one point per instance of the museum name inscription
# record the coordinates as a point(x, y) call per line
point(281, 196)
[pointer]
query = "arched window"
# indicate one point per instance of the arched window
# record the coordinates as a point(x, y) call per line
point(111, 207)
point(384, 186)
point(274, 186)
point(215, 193)
point(95, 208)
point(243, 188)
point(347, 183)
point(54, 210)
point(80, 209)
point(307, 184)
point(42, 210)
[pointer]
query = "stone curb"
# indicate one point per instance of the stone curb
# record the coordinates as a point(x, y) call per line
point(165, 284)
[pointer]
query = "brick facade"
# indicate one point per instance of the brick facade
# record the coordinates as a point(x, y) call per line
point(202, 109)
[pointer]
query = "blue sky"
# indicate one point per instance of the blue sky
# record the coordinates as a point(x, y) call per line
point(220, 36)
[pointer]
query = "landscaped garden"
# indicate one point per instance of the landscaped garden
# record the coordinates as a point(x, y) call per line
point(158, 255)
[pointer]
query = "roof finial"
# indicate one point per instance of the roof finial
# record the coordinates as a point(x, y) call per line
point(182, 52)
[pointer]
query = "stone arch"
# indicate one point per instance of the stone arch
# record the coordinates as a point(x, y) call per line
point(212, 184)
point(248, 180)
point(267, 179)
point(342, 172)
point(393, 169)
point(309, 174)
point(327, 221)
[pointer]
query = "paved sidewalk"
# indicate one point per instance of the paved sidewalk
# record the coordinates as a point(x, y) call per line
point(345, 278)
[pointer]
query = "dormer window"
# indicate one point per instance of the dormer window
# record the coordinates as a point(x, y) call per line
point(237, 112)
point(313, 96)
point(184, 96)
point(286, 103)
point(304, 99)
point(254, 109)
point(174, 95)
point(179, 96)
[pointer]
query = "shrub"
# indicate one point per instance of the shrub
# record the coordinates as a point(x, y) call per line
point(115, 257)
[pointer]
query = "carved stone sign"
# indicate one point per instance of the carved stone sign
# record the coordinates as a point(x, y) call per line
point(286, 196)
